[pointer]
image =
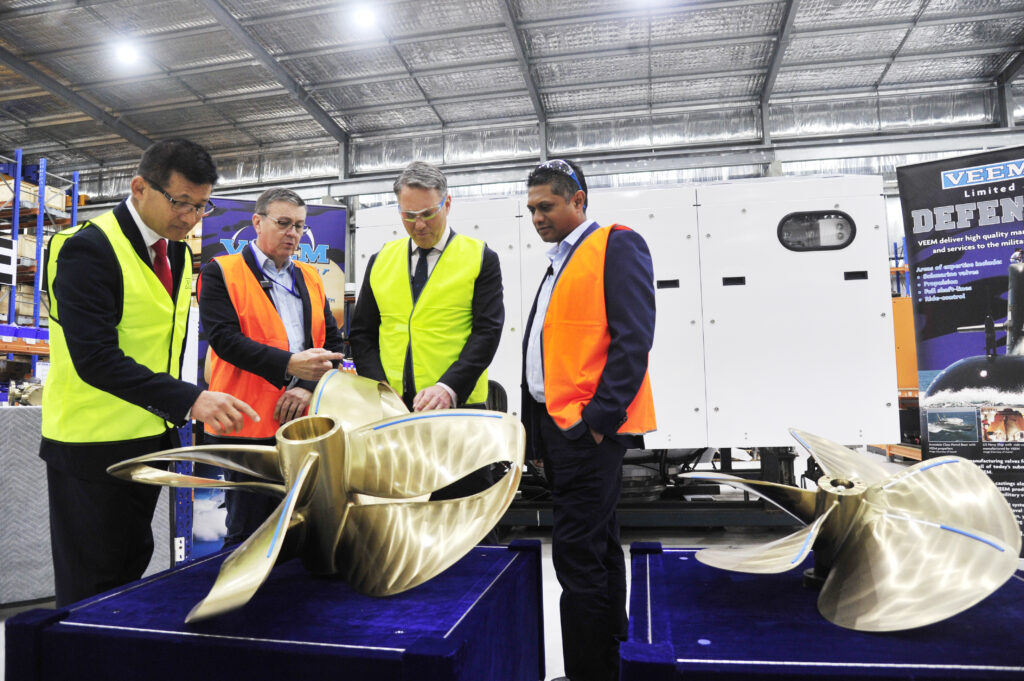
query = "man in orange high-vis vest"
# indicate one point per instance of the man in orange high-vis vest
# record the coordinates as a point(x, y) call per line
point(586, 399)
point(271, 333)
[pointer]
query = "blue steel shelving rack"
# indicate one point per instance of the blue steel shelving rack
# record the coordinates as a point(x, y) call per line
point(17, 170)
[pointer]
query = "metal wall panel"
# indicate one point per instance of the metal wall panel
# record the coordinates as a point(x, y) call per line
point(798, 344)
point(668, 221)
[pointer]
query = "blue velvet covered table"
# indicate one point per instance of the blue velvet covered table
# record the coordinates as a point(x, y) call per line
point(480, 619)
point(691, 621)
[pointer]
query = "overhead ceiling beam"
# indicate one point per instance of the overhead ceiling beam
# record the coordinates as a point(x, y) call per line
point(620, 15)
point(418, 103)
point(779, 53)
point(453, 34)
point(1004, 81)
point(50, 7)
point(1012, 70)
point(208, 29)
point(901, 58)
point(58, 143)
point(416, 73)
point(228, 21)
point(902, 23)
point(584, 85)
point(524, 64)
point(899, 48)
point(76, 100)
point(28, 92)
point(408, 69)
point(167, 74)
point(662, 45)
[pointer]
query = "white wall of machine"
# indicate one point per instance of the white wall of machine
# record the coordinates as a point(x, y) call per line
point(752, 337)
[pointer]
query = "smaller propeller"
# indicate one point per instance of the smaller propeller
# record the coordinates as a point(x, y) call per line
point(871, 531)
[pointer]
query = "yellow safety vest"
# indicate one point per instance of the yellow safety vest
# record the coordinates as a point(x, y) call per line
point(439, 323)
point(151, 332)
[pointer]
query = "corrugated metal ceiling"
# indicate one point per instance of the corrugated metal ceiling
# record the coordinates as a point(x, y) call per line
point(572, 75)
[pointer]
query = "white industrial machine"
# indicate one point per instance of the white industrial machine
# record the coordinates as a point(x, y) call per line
point(773, 303)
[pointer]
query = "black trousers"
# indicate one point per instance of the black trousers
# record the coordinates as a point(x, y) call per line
point(246, 510)
point(100, 533)
point(586, 480)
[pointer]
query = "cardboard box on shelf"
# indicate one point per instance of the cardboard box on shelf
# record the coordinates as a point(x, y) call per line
point(25, 299)
point(55, 197)
point(27, 246)
point(82, 198)
point(7, 191)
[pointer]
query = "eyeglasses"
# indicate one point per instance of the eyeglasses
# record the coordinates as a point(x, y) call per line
point(284, 224)
point(183, 207)
point(563, 168)
point(425, 214)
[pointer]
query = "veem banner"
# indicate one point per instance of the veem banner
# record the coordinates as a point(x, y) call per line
point(229, 229)
point(964, 222)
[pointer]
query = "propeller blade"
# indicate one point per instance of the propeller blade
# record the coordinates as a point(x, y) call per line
point(415, 454)
point(900, 571)
point(257, 461)
point(242, 573)
point(387, 548)
point(797, 502)
point(838, 461)
point(951, 491)
point(355, 401)
point(777, 556)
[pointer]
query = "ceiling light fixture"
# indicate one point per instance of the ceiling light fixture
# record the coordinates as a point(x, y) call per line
point(364, 17)
point(126, 53)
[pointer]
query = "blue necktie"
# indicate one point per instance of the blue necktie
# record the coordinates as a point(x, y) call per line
point(419, 277)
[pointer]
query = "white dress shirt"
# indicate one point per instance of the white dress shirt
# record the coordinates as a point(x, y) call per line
point(148, 235)
point(433, 255)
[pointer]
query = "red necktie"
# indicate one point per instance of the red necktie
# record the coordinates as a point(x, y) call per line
point(161, 266)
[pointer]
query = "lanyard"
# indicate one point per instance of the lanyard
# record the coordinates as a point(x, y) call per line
point(292, 289)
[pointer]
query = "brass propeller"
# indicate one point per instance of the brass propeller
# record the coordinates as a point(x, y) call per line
point(899, 551)
point(356, 478)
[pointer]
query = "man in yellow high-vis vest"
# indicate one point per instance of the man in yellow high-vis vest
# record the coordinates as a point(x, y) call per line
point(429, 314)
point(120, 287)
point(430, 311)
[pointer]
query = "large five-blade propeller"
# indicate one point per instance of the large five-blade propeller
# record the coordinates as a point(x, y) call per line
point(356, 478)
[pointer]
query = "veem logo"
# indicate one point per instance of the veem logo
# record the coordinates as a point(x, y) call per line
point(308, 252)
point(993, 172)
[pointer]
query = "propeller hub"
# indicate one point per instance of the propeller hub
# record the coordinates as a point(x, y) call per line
point(841, 486)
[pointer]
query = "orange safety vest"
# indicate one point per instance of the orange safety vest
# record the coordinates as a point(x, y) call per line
point(576, 341)
point(260, 321)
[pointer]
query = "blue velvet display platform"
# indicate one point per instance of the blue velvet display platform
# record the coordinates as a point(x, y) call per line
point(691, 621)
point(480, 619)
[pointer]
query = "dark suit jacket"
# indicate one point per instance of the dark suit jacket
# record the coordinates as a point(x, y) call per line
point(476, 355)
point(90, 292)
point(223, 330)
point(629, 306)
